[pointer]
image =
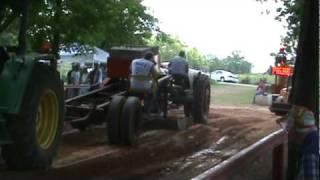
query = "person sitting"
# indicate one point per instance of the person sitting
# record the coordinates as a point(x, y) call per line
point(179, 69)
point(284, 95)
point(262, 88)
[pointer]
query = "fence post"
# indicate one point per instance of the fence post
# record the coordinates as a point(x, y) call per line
point(278, 162)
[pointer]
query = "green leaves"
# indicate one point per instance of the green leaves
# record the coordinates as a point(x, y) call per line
point(234, 63)
point(104, 23)
point(170, 46)
point(291, 12)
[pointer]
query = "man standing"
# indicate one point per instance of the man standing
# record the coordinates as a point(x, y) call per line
point(95, 76)
point(303, 139)
point(75, 80)
point(143, 74)
point(143, 79)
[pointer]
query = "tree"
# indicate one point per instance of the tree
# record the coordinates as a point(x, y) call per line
point(196, 59)
point(290, 12)
point(169, 45)
point(98, 22)
point(213, 63)
point(236, 63)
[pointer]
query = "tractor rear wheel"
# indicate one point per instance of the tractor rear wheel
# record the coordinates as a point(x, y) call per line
point(36, 131)
point(201, 102)
point(114, 114)
point(130, 124)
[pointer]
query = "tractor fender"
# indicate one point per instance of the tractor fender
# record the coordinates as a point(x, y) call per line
point(14, 79)
point(192, 76)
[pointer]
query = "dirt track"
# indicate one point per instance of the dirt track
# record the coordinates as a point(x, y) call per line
point(161, 154)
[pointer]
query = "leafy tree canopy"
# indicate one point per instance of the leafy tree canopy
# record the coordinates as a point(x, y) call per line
point(291, 12)
point(171, 45)
point(98, 22)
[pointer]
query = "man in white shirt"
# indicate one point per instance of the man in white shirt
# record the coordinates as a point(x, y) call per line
point(143, 74)
point(75, 80)
point(143, 80)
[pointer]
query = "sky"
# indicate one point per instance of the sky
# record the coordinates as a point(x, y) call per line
point(219, 27)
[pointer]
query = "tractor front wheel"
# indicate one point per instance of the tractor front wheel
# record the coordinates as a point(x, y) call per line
point(201, 102)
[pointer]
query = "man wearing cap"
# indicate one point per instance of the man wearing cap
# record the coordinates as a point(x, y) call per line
point(303, 139)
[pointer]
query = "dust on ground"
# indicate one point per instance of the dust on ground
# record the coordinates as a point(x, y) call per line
point(162, 154)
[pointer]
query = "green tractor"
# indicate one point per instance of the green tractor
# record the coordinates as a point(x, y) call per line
point(31, 103)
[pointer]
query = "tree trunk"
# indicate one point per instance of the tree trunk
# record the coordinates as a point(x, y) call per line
point(23, 30)
point(56, 33)
point(305, 79)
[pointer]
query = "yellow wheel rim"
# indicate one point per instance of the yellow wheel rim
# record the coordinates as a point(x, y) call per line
point(47, 119)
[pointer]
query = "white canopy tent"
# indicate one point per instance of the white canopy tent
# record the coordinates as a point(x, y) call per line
point(68, 57)
point(98, 55)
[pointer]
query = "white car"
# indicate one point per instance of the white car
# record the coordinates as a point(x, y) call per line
point(224, 76)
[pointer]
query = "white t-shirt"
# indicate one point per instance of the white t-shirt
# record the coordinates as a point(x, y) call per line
point(141, 67)
point(75, 77)
point(141, 80)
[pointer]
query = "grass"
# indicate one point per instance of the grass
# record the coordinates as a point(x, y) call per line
point(255, 78)
point(232, 95)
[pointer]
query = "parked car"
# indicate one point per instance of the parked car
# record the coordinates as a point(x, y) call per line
point(224, 76)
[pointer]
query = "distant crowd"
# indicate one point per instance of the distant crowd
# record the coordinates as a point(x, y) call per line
point(80, 80)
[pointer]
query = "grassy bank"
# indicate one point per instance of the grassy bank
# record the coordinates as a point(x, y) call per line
point(232, 95)
point(255, 78)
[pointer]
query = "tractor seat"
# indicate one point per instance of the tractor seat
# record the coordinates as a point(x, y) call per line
point(181, 80)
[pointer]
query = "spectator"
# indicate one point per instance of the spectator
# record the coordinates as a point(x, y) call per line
point(261, 90)
point(95, 76)
point(84, 75)
point(103, 67)
point(75, 80)
point(84, 79)
point(309, 160)
point(303, 150)
point(106, 79)
point(73, 66)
